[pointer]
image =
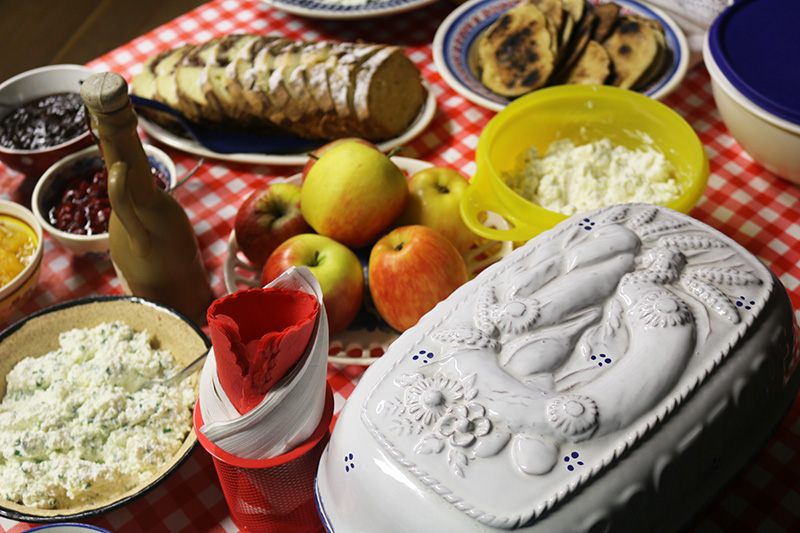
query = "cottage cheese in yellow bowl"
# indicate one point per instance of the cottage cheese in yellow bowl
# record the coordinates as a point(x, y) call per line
point(563, 150)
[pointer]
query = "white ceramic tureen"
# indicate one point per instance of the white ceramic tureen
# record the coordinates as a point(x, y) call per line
point(612, 374)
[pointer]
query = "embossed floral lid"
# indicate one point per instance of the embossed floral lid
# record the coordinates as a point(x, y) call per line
point(533, 381)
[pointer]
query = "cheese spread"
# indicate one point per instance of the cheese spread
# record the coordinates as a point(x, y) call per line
point(569, 179)
point(76, 424)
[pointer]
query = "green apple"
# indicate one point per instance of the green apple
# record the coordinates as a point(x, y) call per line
point(411, 269)
point(353, 193)
point(434, 200)
point(267, 217)
point(336, 267)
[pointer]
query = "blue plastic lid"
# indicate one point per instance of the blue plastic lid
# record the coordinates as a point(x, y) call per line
point(756, 45)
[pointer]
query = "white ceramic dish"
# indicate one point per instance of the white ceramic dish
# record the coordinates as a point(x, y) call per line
point(454, 38)
point(588, 382)
point(368, 338)
point(340, 10)
point(193, 147)
point(93, 247)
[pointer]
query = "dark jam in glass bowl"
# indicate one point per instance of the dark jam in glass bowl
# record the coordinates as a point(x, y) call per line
point(82, 206)
point(43, 123)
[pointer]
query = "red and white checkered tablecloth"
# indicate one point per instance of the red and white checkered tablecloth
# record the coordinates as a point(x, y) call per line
point(742, 200)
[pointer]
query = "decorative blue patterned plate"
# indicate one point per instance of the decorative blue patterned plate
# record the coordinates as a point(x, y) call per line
point(346, 9)
point(454, 38)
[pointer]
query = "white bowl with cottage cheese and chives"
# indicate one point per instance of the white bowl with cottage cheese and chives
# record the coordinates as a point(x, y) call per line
point(79, 434)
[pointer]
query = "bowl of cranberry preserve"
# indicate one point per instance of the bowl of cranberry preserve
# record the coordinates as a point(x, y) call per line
point(71, 203)
point(42, 118)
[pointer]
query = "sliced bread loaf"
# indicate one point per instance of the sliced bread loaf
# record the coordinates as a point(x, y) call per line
point(388, 93)
point(214, 83)
point(192, 101)
point(317, 90)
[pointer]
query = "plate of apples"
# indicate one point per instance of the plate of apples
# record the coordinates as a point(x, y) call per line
point(382, 234)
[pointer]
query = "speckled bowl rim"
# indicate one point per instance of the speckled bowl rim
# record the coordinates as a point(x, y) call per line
point(26, 216)
point(10, 82)
point(90, 153)
point(161, 315)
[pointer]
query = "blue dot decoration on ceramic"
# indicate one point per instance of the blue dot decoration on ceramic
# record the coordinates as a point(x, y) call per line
point(744, 303)
point(572, 461)
point(586, 224)
point(601, 359)
point(423, 355)
point(348, 462)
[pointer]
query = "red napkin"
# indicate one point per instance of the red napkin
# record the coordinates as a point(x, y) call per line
point(258, 335)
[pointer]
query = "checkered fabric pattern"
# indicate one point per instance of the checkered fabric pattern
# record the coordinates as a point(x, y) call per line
point(742, 200)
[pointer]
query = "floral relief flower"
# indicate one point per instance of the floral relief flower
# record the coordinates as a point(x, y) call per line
point(573, 416)
point(428, 398)
point(660, 309)
point(515, 316)
point(463, 425)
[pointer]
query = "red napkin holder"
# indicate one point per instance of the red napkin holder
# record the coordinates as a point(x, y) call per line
point(274, 495)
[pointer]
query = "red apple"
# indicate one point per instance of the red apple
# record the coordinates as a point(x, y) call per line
point(353, 193)
point(411, 269)
point(434, 200)
point(267, 217)
point(316, 154)
point(336, 267)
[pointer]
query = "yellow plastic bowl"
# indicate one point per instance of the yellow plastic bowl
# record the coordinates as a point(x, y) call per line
point(582, 113)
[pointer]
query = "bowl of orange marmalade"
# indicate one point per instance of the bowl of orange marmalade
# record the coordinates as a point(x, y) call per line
point(21, 249)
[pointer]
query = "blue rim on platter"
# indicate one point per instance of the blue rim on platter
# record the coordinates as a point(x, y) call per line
point(340, 10)
point(191, 146)
point(65, 515)
point(454, 38)
point(69, 525)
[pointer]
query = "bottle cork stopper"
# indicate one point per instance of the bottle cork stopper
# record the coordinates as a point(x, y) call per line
point(105, 92)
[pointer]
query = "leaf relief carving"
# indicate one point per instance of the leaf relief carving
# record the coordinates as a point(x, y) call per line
point(645, 217)
point(660, 227)
point(691, 242)
point(466, 336)
point(726, 276)
point(712, 297)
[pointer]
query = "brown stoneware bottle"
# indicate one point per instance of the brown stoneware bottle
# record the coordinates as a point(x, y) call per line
point(153, 246)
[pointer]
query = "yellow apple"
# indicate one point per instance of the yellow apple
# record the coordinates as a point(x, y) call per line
point(353, 193)
point(434, 200)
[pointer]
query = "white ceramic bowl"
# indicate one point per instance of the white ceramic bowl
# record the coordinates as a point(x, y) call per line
point(31, 85)
point(772, 141)
point(94, 247)
point(16, 292)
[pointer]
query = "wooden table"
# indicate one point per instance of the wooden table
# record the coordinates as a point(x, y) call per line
point(48, 32)
point(742, 200)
